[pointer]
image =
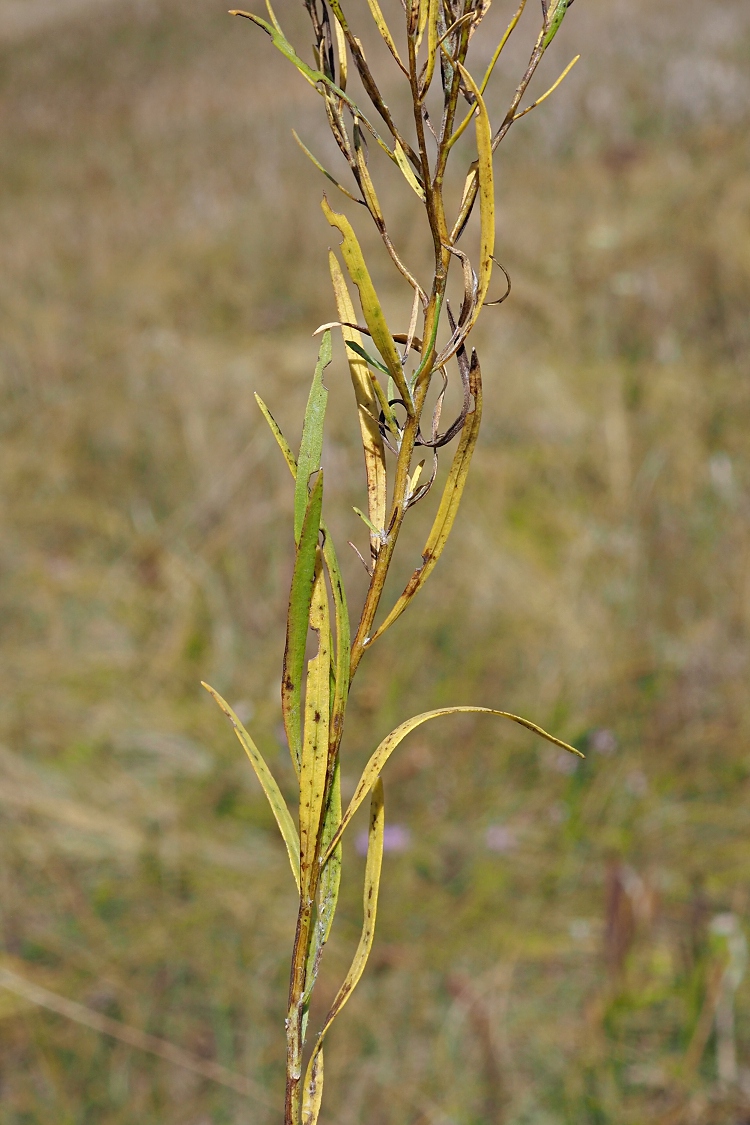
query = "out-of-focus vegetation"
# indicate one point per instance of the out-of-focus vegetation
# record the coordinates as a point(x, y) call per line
point(549, 948)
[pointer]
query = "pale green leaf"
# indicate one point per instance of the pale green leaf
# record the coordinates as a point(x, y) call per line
point(311, 446)
point(281, 441)
point(298, 617)
point(364, 354)
point(370, 906)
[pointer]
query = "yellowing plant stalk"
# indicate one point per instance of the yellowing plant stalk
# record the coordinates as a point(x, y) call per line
point(392, 374)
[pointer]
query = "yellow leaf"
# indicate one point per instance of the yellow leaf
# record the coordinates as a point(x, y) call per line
point(371, 308)
point(449, 502)
point(486, 193)
point(313, 1092)
point(408, 172)
point(314, 759)
point(374, 767)
point(372, 442)
point(270, 788)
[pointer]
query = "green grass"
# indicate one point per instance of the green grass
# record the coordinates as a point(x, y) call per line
point(601, 584)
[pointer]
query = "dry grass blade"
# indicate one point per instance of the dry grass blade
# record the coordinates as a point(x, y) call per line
point(132, 1036)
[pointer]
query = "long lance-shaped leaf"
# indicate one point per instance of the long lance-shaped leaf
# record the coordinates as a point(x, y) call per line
point(268, 782)
point(281, 441)
point(343, 634)
point(328, 892)
point(449, 502)
point(311, 446)
point(372, 884)
point(365, 180)
point(325, 171)
point(364, 393)
point(555, 16)
point(298, 616)
point(408, 172)
point(371, 308)
point(486, 193)
point(374, 767)
point(312, 783)
point(432, 46)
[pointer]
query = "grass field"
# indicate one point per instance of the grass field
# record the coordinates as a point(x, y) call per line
point(548, 949)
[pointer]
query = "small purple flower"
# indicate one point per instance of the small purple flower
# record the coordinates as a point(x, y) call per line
point(500, 838)
point(396, 838)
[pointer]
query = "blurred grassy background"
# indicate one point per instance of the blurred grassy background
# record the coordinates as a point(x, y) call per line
point(545, 951)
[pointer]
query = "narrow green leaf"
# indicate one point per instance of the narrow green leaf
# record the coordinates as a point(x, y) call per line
point(371, 308)
point(360, 351)
point(555, 16)
point(375, 531)
point(311, 446)
point(343, 636)
point(267, 781)
point(314, 760)
point(372, 770)
point(370, 906)
point(298, 616)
